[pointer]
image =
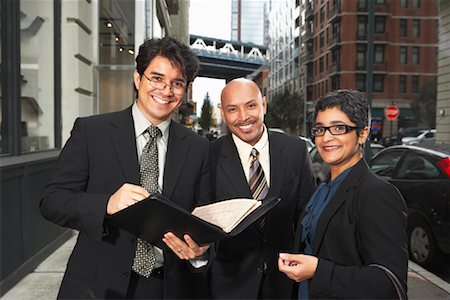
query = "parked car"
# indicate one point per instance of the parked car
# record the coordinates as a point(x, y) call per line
point(423, 135)
point(408, 132)
point(321, 169)
point(423, 178)
point(309, 143)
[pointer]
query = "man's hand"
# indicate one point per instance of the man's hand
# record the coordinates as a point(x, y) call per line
point(187, 249)
point(128, 194)
point(297, 267)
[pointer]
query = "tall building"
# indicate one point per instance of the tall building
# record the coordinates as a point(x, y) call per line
point(249, 21)
point(284, 36)
point(405, 52)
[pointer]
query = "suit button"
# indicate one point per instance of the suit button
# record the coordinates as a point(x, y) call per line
point(125, 274)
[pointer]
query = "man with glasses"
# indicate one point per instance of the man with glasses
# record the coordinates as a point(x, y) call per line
point(114, 160)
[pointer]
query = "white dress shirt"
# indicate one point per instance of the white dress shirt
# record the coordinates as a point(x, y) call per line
point(245, 150)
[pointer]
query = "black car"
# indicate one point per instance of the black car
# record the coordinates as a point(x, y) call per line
point(423, 178)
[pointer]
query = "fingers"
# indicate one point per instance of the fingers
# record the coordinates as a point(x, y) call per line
point(186, 249)
point(128, 194)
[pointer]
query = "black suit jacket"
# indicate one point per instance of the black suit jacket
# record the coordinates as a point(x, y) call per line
point(246, 265)
point(364, 223)
point(97, 159)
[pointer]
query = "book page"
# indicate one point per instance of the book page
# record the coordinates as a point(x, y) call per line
point(228, 213)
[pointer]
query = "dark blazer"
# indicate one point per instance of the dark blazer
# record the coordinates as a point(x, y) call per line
point(97, 159)
point(364, 223)
point(246, 265)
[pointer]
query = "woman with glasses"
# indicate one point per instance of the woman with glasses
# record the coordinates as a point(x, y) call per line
point(351, 237)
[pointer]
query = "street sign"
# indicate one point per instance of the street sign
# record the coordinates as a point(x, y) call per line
point(391, 112)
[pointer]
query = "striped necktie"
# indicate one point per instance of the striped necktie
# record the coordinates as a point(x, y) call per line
point(256, 179)
point(145, 258)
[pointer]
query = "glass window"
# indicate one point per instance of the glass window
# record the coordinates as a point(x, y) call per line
point(116, 56)
point(362, 27)
point(37, 72)
point(322, 14)
point(384, 164)
point(402, 84)
point(379, 54)
point(403, 55)
point(361, 57)
point(335, 83)
point(416, 55)
point(321, 64)
point(416, 3)
point(416, 28)
point(415, 84)
point(403, 3)
point(417, 167)
point(403, 27)
point(379, 24)
point(361, 82)
point(378, 83)
point(362, 5)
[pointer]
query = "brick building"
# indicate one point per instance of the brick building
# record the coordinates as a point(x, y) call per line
point(405, 47)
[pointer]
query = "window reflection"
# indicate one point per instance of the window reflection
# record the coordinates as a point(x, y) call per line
point(37, 75)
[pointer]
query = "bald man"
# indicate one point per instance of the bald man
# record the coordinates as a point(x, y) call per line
point(245, 266)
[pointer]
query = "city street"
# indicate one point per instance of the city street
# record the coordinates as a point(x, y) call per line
point(43, 282)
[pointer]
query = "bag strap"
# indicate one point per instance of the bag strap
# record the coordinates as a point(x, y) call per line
point(398, 286)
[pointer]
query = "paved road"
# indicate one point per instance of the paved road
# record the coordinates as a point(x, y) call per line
point(43, 282)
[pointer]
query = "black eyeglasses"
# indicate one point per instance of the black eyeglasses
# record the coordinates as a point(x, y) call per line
point(334, 130)
point(177, 87)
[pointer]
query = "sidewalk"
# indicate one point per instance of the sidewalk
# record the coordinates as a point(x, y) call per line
point(43, 282)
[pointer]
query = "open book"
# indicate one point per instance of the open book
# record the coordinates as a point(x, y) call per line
point(227, 214)
point(151, 218)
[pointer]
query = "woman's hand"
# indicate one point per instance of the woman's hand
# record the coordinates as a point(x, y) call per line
point(297, 267)
point(184, 249)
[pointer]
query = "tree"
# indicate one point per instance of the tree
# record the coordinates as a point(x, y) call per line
point(205, 120)
point(424, 104)
point(285, 111)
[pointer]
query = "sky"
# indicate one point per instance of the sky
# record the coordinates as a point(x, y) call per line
point(211, 19)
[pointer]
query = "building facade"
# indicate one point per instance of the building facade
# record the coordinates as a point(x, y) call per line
point(249, 21)
point(405, 43)
point(443, 83)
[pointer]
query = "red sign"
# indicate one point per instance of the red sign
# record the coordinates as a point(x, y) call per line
point(391, 112)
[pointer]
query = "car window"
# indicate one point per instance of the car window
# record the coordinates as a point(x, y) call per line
point(429, 135)
point(417, 167)
point(384, 164)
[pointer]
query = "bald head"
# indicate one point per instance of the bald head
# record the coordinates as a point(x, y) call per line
point(240, 84)
point(243, 109)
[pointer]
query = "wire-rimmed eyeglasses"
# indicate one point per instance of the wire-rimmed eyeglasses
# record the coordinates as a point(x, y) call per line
point(177, 87)
point(334, 130)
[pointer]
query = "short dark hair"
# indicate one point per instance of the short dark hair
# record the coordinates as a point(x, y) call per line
point(351, 102)
point(179, 54)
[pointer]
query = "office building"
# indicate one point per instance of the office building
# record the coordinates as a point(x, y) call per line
point(249, 21)
point(405, 47)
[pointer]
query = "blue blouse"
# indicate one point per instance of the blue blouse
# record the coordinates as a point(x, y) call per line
point(316, 205)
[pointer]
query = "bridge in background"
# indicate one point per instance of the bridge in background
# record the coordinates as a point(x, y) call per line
point(224, 59)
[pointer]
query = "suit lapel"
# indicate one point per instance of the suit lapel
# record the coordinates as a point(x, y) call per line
point(123, 139)
point(338, 199)
point(231, 165)
point(177, 151)
point(277, 165)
